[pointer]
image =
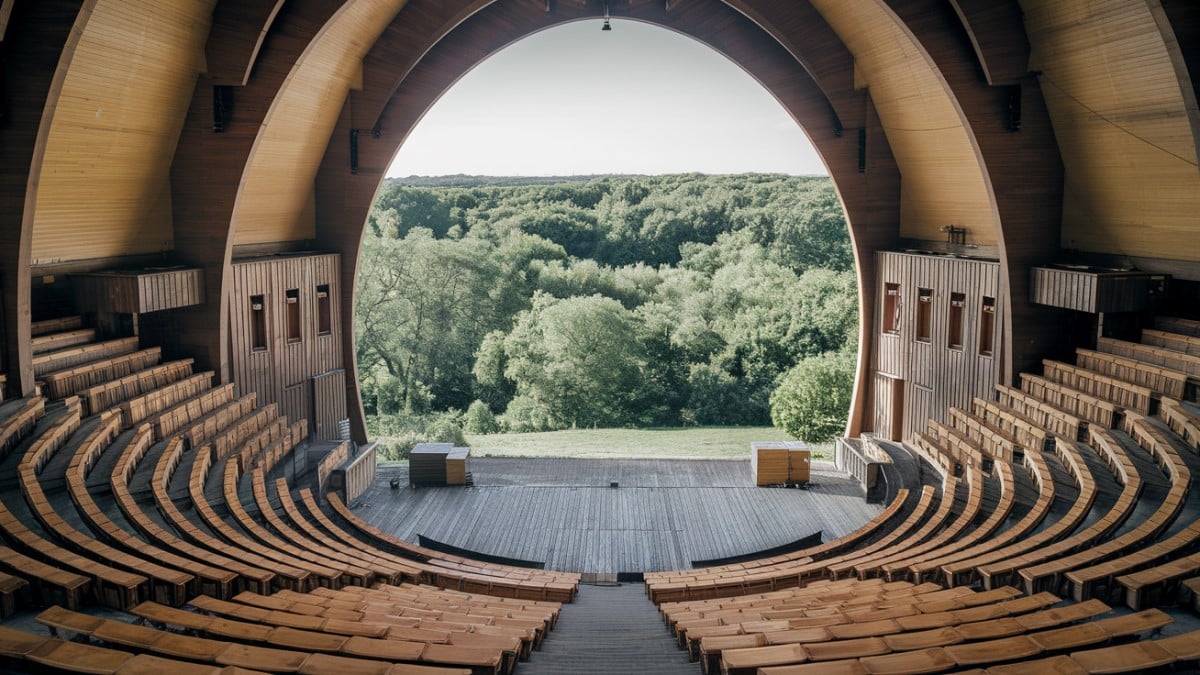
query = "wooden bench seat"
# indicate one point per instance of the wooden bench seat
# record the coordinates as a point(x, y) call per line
point(349, 570)
point(1179, 342)
point(70, 357)
point(306, 540)
point(1124, 394)
point(1078, 403)
point(200, 431)
point(833, 567)
point(1059, 539)
point(82, 379)
point(248, 576)
point(211, 579)
point(1159, 356)
point(1162, 381)
point(923, 570)
point(533, 584)
point(20, 423)
point(319, 573)
point(55, 325)
point(167, 584)
point(1052, 419)
point(230, 653)
point(112, 392)
point(1030, 435)
point(285, 575)
point(141, 408)
point(991, 439)
point(181, 415)
point(49, 342)
point(866, 566)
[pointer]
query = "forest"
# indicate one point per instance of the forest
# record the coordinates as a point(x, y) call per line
point(611, 301)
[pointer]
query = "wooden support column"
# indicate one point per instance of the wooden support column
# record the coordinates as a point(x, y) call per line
point(39, 41)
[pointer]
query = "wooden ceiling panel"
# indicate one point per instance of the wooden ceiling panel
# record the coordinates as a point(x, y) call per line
point(103, 188)
point(942, 180)
point(274, 204)
point(1124, 126)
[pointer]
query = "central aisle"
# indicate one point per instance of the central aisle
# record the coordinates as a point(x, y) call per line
point(610, 629)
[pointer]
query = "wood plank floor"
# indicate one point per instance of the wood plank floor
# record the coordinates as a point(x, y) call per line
point(665, 514)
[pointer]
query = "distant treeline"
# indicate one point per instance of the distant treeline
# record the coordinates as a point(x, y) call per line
point(600, 301)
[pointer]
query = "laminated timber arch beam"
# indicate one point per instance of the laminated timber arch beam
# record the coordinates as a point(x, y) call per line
point(208, 167)
point(38, 43)
point(871, 197)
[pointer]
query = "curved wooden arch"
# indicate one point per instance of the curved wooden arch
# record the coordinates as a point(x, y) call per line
point(871, 197)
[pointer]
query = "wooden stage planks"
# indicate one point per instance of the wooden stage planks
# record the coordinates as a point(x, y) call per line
point(665, 513)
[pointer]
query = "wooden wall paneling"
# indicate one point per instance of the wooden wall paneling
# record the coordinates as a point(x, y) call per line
point(871, 199)
point(207, 171)
point(37, 50)
point(935, 376)
point(255, 371)
point(1022, 170)
point(276, 201)
point(239, 28)
point(1124, 116)
point(998, 35)
point(103, 189)
point(329, 403)
point(297, 402)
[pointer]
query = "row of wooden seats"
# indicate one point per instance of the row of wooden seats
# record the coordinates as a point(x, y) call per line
point(298, 657)
point(1027, 433)
point(1125, 394)
point(82, 378)
point(21, 650)
point(143, 578)
point(1159, 356)
point(307, 539)
point(468, 575)
point(206, 578)
point(876, 655)
point(1187, 344)
point(968, 453)
point(995, 564)
point(70, 357)
point(141, 408)
point(1161, 381)
point(247, 575)
point(315, 572)
point(797, 572)
point(17, 425)
point(1003, 572)
point(1142, 536)
point(993, 440)
point(1133, 657)
point(284, 575)
point(84, 576)
point(112, 391)
point(1077, 403)
point(1043, 481)
point(456, 638)
point(49, 342)
point(201, 431)
point(980, 622)
point(55, 325)
point(870, 529)
point(171, 420)
point(1053, 420)
point(937, 550)
point(1182, 421)
point(231, 439)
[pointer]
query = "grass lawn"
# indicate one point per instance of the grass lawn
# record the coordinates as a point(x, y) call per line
point(667, 443)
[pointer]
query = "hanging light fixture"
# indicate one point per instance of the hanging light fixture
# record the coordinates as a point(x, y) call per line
point(607, 25)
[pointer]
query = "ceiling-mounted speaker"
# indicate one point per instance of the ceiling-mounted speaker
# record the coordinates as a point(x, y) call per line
point(1014, 108)
point(222, 107)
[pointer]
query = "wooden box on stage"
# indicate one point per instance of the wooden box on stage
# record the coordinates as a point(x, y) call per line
point(779, 462)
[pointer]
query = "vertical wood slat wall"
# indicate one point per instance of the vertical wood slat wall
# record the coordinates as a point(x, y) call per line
point(935, 376)
point(281, 373)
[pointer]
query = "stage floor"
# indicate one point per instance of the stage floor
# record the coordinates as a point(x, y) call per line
point(664, 515)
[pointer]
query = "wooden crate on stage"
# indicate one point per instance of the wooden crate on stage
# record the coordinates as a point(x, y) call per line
point(772, 462)
point(456, 466)
point(427, 464)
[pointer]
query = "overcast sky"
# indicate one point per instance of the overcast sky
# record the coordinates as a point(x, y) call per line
point(575, 100)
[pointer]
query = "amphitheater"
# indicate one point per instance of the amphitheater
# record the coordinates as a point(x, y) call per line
point(186, 480)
